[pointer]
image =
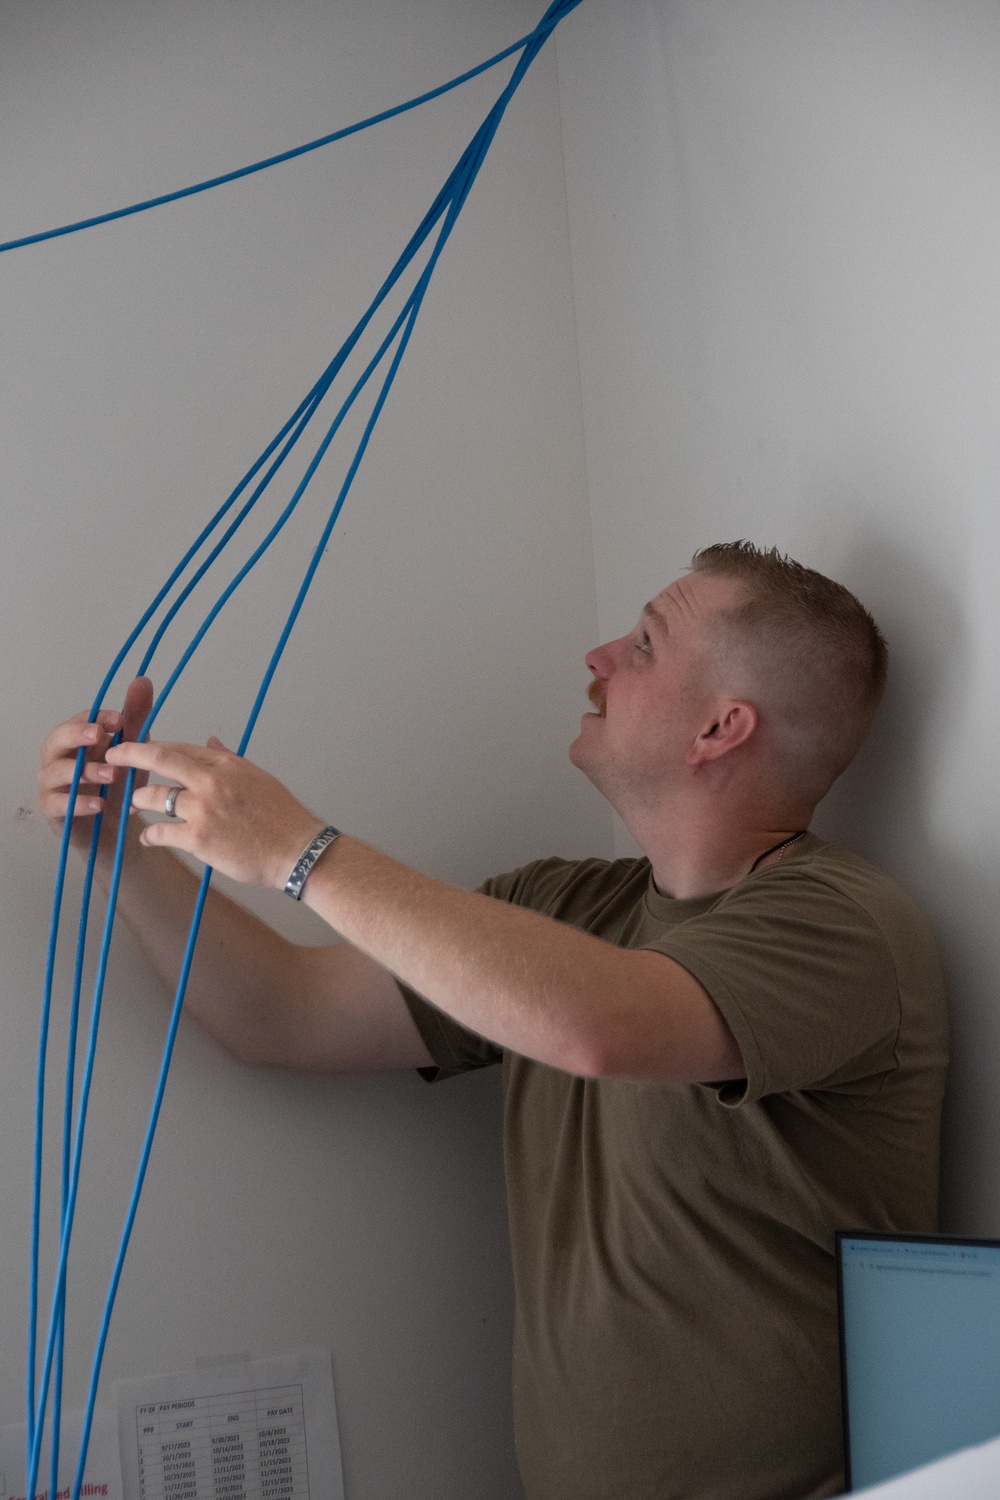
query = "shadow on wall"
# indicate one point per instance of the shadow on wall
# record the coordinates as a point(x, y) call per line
point(881, 804)
point(890, 805)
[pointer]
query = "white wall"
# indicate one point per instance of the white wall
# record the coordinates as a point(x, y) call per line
point(426, 701)
point(785, 221)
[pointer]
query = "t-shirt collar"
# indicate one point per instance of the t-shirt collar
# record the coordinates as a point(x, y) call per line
point(671, 909)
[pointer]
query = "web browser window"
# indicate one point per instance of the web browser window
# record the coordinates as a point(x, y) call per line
point(920, 1349)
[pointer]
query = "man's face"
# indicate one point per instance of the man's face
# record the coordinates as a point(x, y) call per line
point(652, 692)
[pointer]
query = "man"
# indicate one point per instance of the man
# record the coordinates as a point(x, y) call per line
point(713, 1056)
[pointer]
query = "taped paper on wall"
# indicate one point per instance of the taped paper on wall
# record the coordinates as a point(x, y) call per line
point(258, 1429)
point(102, 1476)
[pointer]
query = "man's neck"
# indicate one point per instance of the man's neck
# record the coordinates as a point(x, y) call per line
point(698, 853)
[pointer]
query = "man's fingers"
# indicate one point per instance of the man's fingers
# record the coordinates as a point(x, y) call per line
point(56, 805)
point(57, 775)
point(60, 754)
point(135, 710)
point(181, 763)
point(76, 732)
point(150, 798)
point(171, 835)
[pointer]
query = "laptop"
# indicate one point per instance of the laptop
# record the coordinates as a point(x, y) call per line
point(919, 1349)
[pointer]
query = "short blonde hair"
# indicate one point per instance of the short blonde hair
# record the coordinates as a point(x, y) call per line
point(806, 651)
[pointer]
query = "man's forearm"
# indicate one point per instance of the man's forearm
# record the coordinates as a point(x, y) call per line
point(243, 970)
point(268, 1001)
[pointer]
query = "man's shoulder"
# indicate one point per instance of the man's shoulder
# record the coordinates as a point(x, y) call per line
point(848, 874)
point(827, 873)
point(568, 888)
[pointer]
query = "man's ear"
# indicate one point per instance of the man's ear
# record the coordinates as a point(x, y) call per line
point(736, 723)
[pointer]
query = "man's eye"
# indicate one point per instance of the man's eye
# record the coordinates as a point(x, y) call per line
point(644, 643)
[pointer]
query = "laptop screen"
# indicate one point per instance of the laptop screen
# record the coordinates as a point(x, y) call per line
point(920, 1349)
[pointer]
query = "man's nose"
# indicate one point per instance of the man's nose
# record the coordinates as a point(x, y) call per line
point(601, 659)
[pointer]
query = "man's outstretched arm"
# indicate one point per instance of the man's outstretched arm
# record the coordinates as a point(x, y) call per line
point(529, 983)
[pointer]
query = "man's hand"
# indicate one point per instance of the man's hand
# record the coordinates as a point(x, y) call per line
point(268, 1001)
point(58, 763)
point(229, 813)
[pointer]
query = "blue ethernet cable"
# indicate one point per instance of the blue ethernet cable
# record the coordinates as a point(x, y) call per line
point(296, 424)
point(269, 161)
point(448, 204)
point(465, 189)
point(306, 409)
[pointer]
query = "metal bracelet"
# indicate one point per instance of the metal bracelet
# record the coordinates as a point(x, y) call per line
point(305, 862)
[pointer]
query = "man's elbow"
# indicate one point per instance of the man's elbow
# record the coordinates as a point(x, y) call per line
point(618, 1051)
point(598, 1051)
point(245, 1046)
point(253, 1040)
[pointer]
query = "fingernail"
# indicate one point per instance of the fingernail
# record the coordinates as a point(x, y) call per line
point(90, 733)
point(105, 773)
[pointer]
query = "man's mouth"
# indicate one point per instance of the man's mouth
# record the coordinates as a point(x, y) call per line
point(598, 698)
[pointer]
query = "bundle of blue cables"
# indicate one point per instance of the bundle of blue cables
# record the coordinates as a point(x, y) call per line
point(45, 1367)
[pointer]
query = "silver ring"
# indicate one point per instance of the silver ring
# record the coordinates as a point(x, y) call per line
point(169, 807)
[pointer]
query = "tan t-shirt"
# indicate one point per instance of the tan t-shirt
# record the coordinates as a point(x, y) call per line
point(676, 1329)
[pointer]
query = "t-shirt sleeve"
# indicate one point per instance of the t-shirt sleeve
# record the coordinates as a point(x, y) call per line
point(454, 1048)
point(805, 979)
